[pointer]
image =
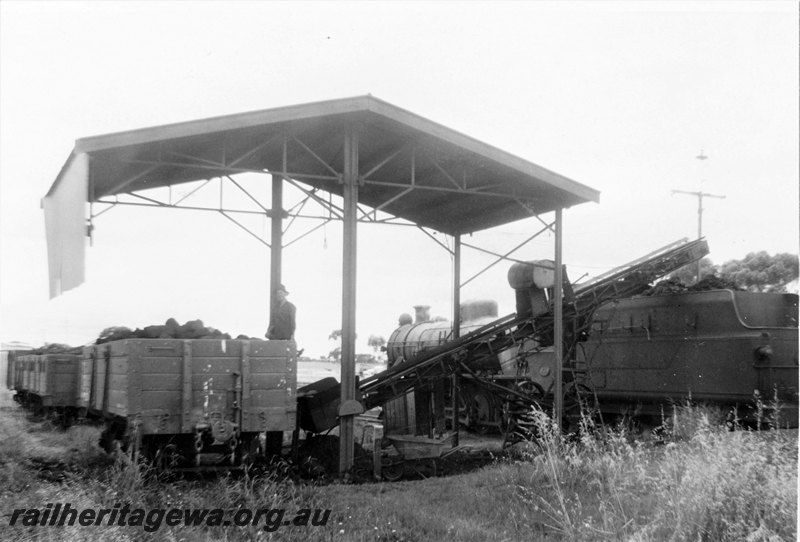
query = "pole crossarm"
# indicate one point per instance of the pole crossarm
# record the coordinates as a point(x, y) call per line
point(698, 194)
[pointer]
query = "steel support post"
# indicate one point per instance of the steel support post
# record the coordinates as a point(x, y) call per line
point(456, 330)
point(558, 331)
point(348, 374)
point(275, 438)
point(276, 241)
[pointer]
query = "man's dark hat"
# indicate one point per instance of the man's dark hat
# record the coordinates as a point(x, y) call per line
point(281, 287)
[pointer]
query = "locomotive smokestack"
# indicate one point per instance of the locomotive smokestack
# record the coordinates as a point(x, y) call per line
point(422, 313)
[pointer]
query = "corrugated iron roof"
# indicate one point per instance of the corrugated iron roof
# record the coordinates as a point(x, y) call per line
point(410, 167)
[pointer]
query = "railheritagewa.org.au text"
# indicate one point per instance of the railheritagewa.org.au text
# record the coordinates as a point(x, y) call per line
point(123, 515)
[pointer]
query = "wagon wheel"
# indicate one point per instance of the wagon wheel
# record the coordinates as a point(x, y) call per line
point(392, 469)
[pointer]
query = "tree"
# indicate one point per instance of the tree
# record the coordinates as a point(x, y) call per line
point(336, 353)
point(376, 342)
point(760, 272)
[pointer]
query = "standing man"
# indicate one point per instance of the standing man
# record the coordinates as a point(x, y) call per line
point(282, 318)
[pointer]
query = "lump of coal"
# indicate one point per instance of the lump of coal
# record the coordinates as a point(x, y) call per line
point(56, 348)
point(669, 286)
point(171, 329)
point(115, 333)
point(713, 282)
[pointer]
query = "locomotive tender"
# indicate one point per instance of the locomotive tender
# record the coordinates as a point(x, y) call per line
point(718, 346)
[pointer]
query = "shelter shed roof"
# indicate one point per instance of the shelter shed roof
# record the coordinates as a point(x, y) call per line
point(409, 167)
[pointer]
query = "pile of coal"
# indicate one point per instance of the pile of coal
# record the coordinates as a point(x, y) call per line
point(56, 348)
point(171, 329)
point(675, 286)
point(713, 282)
point(669, 286)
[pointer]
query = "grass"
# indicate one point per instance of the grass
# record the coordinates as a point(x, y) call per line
point(699, 482)
point(703, 483)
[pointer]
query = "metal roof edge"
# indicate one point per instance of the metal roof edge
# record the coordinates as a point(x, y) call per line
point(331, 107)
point(220, 123)
point(64, 168)
point(479, 147)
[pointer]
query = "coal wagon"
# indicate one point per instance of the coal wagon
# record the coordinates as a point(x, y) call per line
point(46, 384)
point(191, 403)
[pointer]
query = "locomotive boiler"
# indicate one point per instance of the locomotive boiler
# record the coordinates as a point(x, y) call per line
point(481, 408)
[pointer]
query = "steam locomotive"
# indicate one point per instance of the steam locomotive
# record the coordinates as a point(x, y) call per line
point(630, 356)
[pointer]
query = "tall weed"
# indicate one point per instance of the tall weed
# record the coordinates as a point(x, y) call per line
point(703, 483)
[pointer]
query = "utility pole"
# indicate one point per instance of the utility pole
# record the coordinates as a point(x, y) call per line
point(700, 195)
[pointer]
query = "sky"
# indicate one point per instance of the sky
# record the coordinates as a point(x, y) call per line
point(619, 96)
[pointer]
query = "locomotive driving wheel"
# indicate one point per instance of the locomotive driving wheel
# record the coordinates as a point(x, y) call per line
point(516, 411)
point(531, 389)
point(483, 411)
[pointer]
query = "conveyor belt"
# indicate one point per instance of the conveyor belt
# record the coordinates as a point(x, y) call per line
point(578, 306)
point(443, 360)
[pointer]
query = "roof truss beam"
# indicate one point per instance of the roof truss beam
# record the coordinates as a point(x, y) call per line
point(504, 257)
